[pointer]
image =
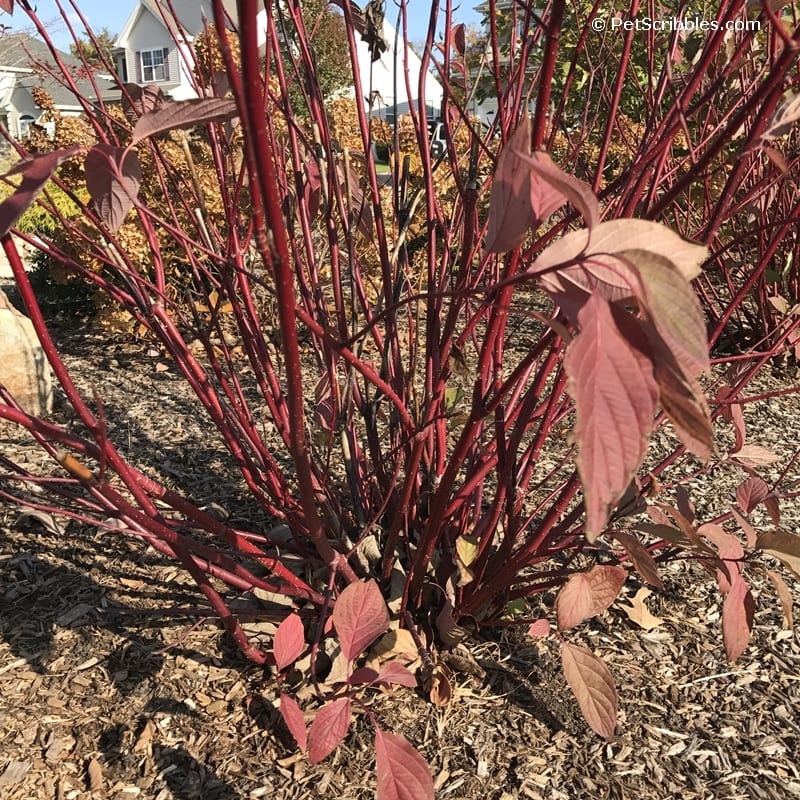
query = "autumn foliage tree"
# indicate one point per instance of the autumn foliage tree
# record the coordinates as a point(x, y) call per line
point(95, 51)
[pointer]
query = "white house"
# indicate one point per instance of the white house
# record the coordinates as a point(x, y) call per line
point(152, 49)
point(19, 75)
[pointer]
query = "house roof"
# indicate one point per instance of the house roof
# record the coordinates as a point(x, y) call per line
point(26, 55)
point(191, 16)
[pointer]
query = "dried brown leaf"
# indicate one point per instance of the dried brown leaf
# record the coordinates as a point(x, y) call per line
point(783, 546)
point(639, 613)
point(784, 596)
point(95, 773)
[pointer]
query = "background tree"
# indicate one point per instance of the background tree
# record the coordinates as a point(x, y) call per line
point(96, 53)
point(327, 37)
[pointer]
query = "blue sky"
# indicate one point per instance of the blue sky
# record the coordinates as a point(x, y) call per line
point(112, 14)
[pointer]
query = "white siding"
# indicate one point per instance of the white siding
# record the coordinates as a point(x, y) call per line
point(381, 76)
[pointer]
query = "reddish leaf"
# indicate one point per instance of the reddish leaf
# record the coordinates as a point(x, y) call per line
point(360, 208)
point(595, 251)
point(539, 628)
point(772, 504)
point(570, 188)
point(138, 100)
point(688, 530)
point(754, 456)
point(511, 209)
point(785, 597)
point(363, 676)
point(7, 6)
point(312, 188)
point(391, 672)
point(325, 415)
point(685, 505)
point(671, 304)
point(684, 403)
point(749, 531)
point(183, 114)
point(113, 178)
point(360, 616)
point(731, 554)
point(289, 641)
point(680, 539)
point(328, 729)
point(641, 558)
point(295, 721)
point(783, 546)
point(36, 172)
point(593, 687)
point(737, 618)
point(732, 412)
point(729, 547)
point(681, 395)
point(401, 771)
point(588, 594)
point(615, 400)
point(460, 38)
point(750, 493)
point(395, 672)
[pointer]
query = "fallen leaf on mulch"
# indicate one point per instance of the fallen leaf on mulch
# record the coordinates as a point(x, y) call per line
point(639, 613)
point(142, 744)
point(95, 772)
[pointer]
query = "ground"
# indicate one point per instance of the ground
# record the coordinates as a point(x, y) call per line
point(102, 697)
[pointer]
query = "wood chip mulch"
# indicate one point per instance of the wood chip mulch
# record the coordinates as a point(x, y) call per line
point(102, 698)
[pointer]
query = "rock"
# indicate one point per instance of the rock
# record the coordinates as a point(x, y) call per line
point(24, 370)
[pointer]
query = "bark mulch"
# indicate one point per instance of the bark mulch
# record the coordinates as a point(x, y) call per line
point(100, 697)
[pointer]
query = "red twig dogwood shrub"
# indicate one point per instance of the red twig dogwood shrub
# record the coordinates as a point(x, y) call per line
point(423, 402)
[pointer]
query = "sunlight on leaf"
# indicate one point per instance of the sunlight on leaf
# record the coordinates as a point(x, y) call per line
point(289, 641)
point(360, 616)
point(588, 594)
point(402, 772)
point(593, 687)
point(615, 401)
point(328, 729)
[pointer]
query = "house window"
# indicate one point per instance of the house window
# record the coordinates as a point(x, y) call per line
point(154, 65)
point(24, 125)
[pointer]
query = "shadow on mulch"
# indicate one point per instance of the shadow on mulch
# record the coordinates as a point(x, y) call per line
point(41, 600)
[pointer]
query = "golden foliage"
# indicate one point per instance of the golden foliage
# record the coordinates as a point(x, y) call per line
point(343, 119)
point(208, 55)
point(42, 98)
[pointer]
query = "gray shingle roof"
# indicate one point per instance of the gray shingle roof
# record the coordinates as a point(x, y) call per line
point(22, 51)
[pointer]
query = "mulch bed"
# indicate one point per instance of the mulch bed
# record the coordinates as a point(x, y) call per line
point(101, 697)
